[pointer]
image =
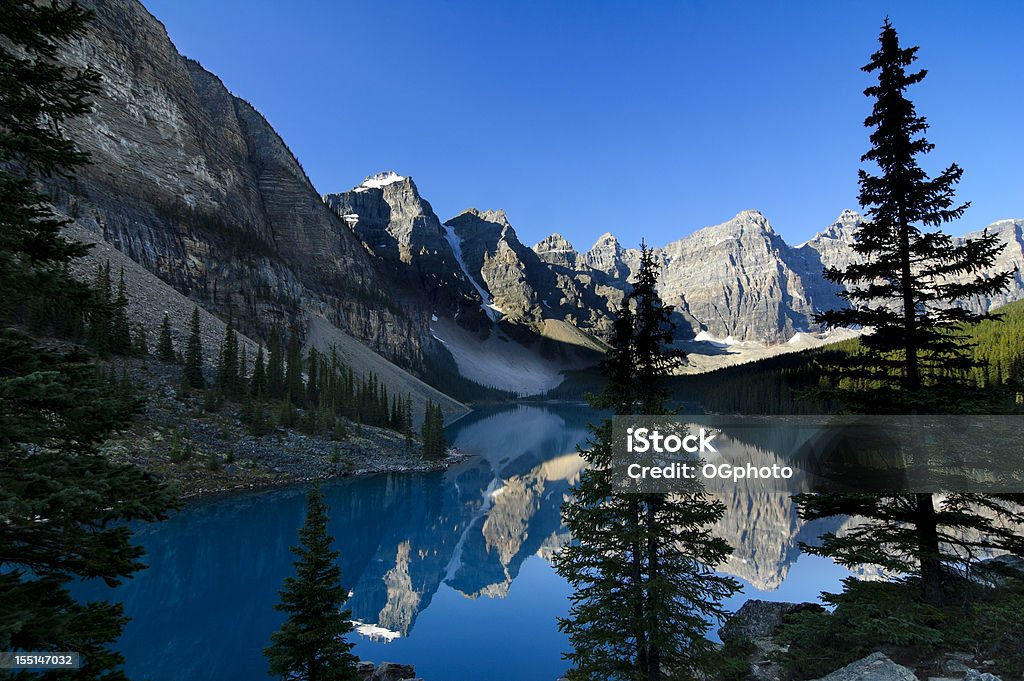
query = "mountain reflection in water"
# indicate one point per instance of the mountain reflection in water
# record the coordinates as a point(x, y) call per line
point(448, 571)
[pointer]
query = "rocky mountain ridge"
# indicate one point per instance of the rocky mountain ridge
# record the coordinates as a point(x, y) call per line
point(194, 185)
point(738, 282)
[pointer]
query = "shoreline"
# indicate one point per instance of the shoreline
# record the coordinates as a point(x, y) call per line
point(205, 494)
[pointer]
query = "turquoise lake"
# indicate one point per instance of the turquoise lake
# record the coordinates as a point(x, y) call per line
point(448, 571)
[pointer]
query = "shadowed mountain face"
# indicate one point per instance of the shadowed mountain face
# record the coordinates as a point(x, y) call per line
point(194, 185)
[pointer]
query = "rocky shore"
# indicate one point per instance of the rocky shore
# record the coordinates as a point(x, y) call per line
point(203, 453)
point(757, 623)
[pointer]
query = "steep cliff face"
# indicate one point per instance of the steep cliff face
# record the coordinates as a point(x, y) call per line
point(1011, 233)
point(739, 279)
point(512, 274)
point(194, 184)
point(400, 229)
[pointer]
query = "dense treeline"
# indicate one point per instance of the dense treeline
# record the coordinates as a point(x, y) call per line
point(775, 385)
point(433, 432)
point(317, 393)
point(999, 347)
point(279, 387)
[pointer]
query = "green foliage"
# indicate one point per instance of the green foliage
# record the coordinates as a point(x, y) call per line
point(890, 616)
point(258, 384)
point(642, 565)
point(120, 328)
point(293, 384)
point(140, 345)
point(181, 447)
point(731, 662)
point(275, 367)
point(64, 508)
point(998, 347)
point(310, 645)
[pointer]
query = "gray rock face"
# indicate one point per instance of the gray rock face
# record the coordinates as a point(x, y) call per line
point(609, 257)
point(192, 183)
point(513, 275)
point(740, 279)
point(874, 667)
point(758, 619)
point(975, 675)
point(1011, 233)
point(401, 230)
point(391, 671)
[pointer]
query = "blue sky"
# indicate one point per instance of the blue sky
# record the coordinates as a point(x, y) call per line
point(648, 119)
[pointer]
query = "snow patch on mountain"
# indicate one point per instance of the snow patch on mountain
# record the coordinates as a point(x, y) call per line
point(379, 180)
point(492, 310)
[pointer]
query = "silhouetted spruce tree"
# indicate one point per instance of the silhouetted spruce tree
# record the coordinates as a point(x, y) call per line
point(64, 508)
point(916, 360)
point(165, 346)
point(101, 311)
point(433, 432)
point(194, 355)
point(293, 371)
point(310, 645)
point(258, 385)
point(313, 379)
point(227, 364)
point(120, 328)
point(642, 566)
point(275, 366)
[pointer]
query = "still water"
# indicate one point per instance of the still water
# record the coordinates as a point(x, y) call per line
point(448, 571)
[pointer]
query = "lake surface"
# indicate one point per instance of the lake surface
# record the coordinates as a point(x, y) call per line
point(449, 571)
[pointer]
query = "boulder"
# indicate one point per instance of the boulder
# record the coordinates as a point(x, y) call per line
point(975, 675)
point(760, 619)
point(391, 671)
point(874, 667)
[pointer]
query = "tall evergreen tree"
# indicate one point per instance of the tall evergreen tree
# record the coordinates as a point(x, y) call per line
point(310, 645)
point(433, 432)
point(258, 385)
point(275, 366)
point(165, 346)
point(293, 371)
point(120, 328)
point(313, 379)
point(194, 355)
point(908, 289)
point(227, 363)
point(101, 311)
point(64, 508)
point(642, 565)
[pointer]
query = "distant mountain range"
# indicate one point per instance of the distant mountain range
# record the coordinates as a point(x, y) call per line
point(194, 187)
point(737, 283)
